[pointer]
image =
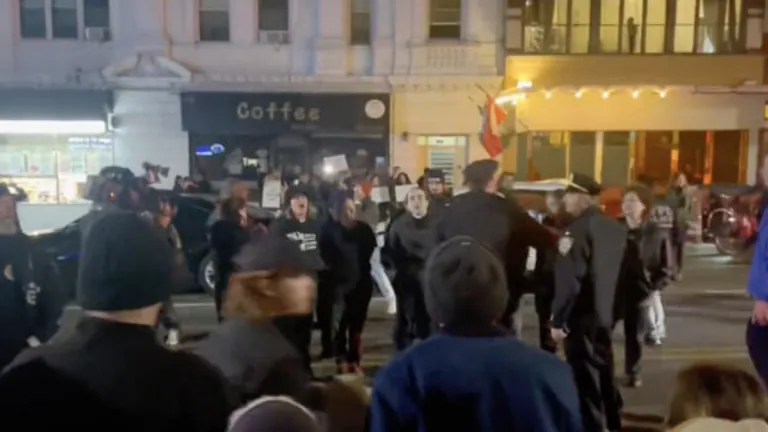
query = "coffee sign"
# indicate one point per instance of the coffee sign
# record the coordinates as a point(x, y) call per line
point(276, 112)
point(342, 114)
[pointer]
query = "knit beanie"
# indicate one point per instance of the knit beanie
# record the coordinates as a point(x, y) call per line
point(465, 284)
point(126, 264)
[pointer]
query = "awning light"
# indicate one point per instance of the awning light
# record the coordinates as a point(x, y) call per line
point(45, 127)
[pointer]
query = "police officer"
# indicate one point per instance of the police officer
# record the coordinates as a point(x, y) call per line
point(586, 273)
point(485, 215)
point(26, 316)
point(118, 189)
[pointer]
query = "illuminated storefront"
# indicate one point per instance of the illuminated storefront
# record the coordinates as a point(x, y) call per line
point(51, 140)
point(251, 134)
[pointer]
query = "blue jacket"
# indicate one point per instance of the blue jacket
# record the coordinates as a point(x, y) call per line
point(758, 270)
point(479, 384)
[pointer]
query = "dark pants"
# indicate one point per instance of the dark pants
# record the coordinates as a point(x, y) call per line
point(9, 349)
point(326, 297)
point(412, 320)
point(589, 352)
point(298, 331)
point(543, 302)
point(679, 235)
point(350, 310)
point(219, 292)
point(757, 344)
point(634, 328)
point(168, 317)
point(512, 320)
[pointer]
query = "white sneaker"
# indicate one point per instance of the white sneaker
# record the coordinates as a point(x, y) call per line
point(172, 339)
point(392, 307)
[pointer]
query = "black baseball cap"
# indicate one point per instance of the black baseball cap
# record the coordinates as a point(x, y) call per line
point(273, 253)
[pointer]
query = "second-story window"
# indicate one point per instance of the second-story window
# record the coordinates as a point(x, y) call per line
point(274, 24)
point(634, 26)
point(64, 19)
point(214, 20)
point(360, 31)
point(445, 19)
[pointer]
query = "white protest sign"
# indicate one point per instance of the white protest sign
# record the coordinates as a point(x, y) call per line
point(401, 191)
point(459, 191)
point(271, 194)
point(380, 194)
point(335, 164)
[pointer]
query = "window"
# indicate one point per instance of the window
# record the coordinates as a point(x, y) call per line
point(96, 13)
point(611, 27)
point(634, 26)
point(273, 15)
point(32, 18)
point(64, 19)
point(445, 19)
point(360, 32)
point(214, 20)
point(580, 26)
point(53, 169)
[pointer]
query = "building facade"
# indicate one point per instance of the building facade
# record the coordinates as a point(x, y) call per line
point(243, 87)
point(633, 88)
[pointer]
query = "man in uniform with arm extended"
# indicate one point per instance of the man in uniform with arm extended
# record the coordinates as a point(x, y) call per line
point(498, 222)
point(586, 273)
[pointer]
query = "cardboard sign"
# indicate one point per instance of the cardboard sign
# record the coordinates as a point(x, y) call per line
point(401, 191)
point(380, 194)
point(335, 164)
point(272, 194)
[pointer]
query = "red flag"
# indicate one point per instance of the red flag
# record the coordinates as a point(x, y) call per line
point(493, 118)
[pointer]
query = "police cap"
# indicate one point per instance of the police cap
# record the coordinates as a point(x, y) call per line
point(582, 183)
point(479, 173)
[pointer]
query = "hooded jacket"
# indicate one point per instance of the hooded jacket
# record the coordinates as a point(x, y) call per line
point(409, 243)
point(347, 252)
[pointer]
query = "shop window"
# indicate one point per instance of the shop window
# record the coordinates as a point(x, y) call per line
point(692, 155)
point(581, 156)
point(214, 20)
point(653, 30)
point(220, 157)
point(445, 19)
point(616, 155)
point(96, 13)
point(548, 155)
point(360, 20)
point(581, 11)
point(273, 21)
point(657, 156)
point(726, 156)
point(447, 153)
point(53, 169)
point(611, 26)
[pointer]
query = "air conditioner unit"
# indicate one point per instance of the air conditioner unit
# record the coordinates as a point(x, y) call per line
point(275, 37)
point(97, 34)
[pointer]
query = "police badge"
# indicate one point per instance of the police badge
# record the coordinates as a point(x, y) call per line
point(564, 244)
point(8, 272)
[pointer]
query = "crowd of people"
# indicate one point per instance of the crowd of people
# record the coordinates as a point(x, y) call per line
point(459, 267)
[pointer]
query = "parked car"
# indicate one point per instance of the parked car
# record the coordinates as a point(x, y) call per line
point(63, 245)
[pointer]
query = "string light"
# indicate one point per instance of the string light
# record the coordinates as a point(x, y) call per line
point(606, 94)
point(635, 94)
point(663, 94)
point(579, 94)
point(548, 95)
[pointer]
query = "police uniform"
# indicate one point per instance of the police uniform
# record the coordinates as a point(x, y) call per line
point(586, 273)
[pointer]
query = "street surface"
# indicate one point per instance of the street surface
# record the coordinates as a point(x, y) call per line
point(706, 316)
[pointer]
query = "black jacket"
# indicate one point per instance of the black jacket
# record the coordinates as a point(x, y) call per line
point(501, 224)
point(256, 359)
point(118, 373)
point(227, 238)
point(647, 264)
point(347, 253)
point(409, 243)
point(305, 234)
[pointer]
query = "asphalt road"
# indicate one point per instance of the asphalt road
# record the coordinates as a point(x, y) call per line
point(706, 317)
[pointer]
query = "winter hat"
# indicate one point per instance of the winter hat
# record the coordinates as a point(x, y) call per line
point(297, 191)
point(435, 174)
point(273, 414)
point(465, 283)
point(126, 264)
point(709, 424)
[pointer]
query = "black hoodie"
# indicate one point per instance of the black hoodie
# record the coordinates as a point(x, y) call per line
point(347, 252)
point(409, 243)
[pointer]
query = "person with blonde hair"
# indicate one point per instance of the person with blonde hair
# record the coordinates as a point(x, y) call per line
point(272, 279)
point(704, 392)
